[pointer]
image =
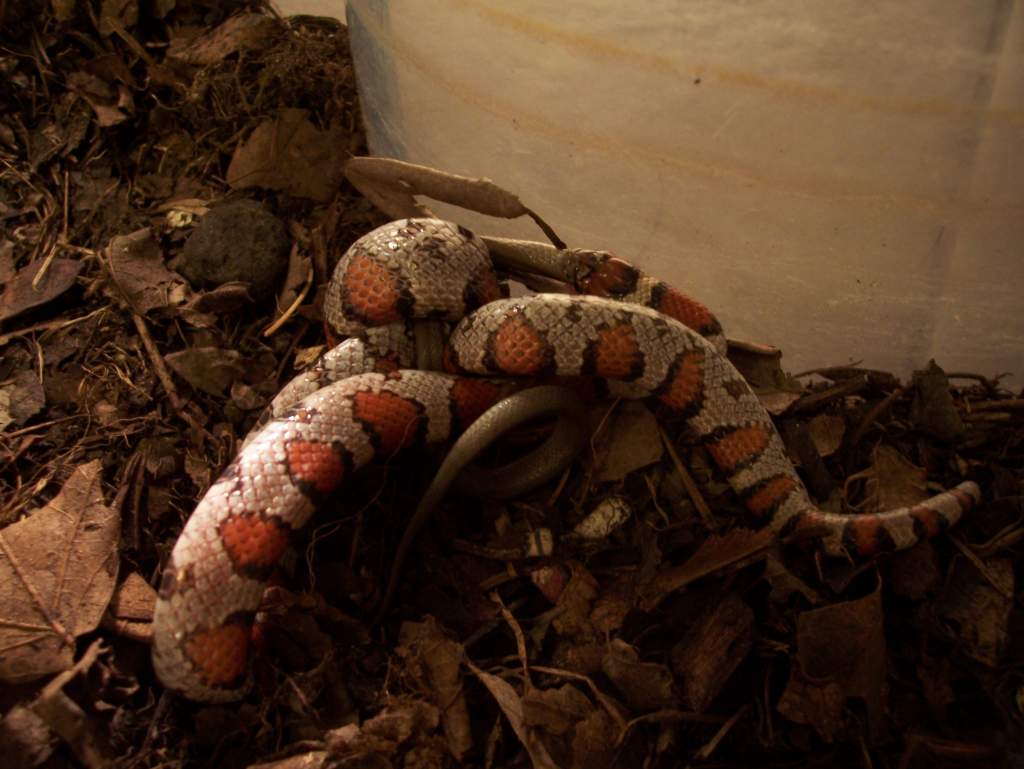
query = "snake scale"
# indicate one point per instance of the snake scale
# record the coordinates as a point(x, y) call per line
point(368, 398)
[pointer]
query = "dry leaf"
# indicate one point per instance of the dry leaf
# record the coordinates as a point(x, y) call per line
point(290, 154)
point(57, 573)
point(977, 604)
point(555, 710)
point(892, 480)
point(210, 369)
point(933, 410)
point(25, 739)
point(512, 706)
point(20, 295)
point(841, 653)
point(568, 721)
point(21, 399)
point(633, 443)
point(730, 549)
point(111, 104)
point(392, 184)
point(441, 657)
point(137, 269)
point(314, 759)
point(247, 31)
point(713, 647)
point(85, 734)
point(378, 741)
point(297, 278)
point(131, 609)
point(644, 686)
point(118, 15)
point(827, 432)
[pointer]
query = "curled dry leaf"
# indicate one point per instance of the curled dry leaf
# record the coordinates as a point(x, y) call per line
point(57, 573)
point(761, 366)
point(314, 759)
point(933, 410)
point(20, 295)
point(392, 184)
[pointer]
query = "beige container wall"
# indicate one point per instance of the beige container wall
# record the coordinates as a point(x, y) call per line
point(843, 180)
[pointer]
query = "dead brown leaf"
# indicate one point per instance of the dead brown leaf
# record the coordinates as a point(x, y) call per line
point(137, 269)
point(511, 704)
point(57, 572)
point(21, 399)
point(7, 269)
point(25, 739)
point(892, 480)
point(210, 369)
point(841, 653)
point(441, 659)
point(644, 686)
point(915, 573)
point(403, 724)
point(290, 154)
point(977, 603)
point(633, 442)
point(84, 733)
point(19, 295)
point(717, 552)
point(112, 104)
point(712, 649)
point(593, 745)
point(393, 184)
point(575, 602)
point(827, 432)
point(576, 733)
point(313, 759)
point(118, 15)
point(761, 366)
point(555, 710)
point(131, 609)
point(933, 410)
point(247, 31)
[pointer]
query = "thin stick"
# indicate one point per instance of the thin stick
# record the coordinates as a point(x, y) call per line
point(159, 366)
point(688, 482)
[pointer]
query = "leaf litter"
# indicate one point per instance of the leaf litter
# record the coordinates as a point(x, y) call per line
point(660, 632)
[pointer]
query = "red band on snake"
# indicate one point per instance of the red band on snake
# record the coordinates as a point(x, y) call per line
point(347, 418)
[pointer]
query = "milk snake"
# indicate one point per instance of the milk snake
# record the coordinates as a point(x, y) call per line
point(632, 335)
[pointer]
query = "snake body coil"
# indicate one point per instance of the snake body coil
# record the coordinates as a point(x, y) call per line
point(426, 268)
